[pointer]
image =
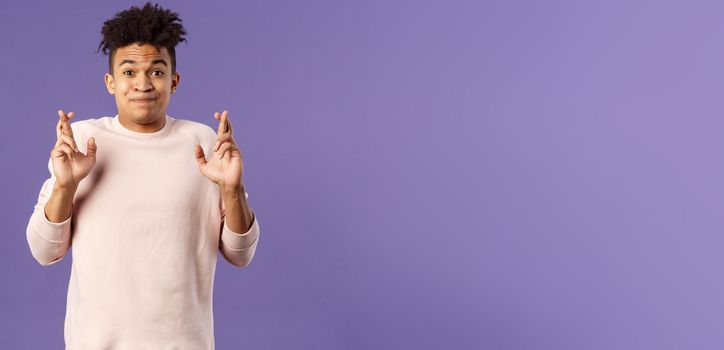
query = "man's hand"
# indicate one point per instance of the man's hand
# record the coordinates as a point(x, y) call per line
point(225, 168)
point(70, 166)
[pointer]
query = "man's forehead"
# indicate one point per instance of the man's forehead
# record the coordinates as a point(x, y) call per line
point(141, 54)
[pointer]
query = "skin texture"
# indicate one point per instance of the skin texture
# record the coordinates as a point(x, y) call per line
point(146, 78)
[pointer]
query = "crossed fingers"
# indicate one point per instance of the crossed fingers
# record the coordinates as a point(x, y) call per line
point(225, 135)
point(64, 133)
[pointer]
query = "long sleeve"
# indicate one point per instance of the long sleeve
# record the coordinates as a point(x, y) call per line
point(145, 237)
point(48, 241)
point(238, 248)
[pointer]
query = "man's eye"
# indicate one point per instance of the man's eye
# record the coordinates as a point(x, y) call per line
point(158, 71)
point(128, 71)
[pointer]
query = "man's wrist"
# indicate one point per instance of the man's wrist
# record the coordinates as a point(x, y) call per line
point(67, 190)
point(237, 190)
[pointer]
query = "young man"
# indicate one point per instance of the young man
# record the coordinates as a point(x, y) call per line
point(145, 200)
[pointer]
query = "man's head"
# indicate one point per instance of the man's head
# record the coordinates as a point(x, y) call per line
point(140, 44)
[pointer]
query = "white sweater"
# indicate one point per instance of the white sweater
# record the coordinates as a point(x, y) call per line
point(145, 229)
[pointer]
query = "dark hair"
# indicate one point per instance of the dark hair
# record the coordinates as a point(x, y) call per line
point(148, 25)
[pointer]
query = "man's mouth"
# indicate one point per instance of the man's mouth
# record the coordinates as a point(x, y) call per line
point(144, 101)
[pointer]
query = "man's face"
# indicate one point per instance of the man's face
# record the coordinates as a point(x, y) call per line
point(142, 83)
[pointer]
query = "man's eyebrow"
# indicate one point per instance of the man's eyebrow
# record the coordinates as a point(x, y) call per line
point(160, 60)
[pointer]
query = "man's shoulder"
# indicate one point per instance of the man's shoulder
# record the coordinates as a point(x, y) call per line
point(192, 125)
point(90, 123)
point(199, 130)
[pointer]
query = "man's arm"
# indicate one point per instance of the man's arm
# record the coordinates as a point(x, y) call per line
point(60, 204)
point(48, 230)
point(239, 216)
point(240, 227)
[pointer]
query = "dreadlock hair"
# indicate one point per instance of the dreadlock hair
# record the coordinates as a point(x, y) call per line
point(148, 25)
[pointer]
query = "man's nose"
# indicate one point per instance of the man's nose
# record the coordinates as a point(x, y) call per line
point(143, 83)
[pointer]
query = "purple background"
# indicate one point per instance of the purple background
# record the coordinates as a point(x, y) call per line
point(428, 175)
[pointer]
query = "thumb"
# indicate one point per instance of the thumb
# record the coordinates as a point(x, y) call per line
point(92, 148)
point(199, 153)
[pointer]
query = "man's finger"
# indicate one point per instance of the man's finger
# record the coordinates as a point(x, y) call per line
point(61, 119)
point(57, 152)
point(221, 139)
point(199, 153)
point(68, 129)
point(64, 122)
point(230, 129)
point(219, 130)
point(66, 149)
point(227, 123)
point(69, 141)
point(58, 142)
point(63, 116)
point(92, 148)
point(223, 149)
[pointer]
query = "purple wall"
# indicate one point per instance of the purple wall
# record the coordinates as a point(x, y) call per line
point(429, 175)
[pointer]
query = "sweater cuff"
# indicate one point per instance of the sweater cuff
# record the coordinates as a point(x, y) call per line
point(51, 231)
point(240, 241)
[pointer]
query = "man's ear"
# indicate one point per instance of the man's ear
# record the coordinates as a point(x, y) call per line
point(110, 84)
point(175, 81)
